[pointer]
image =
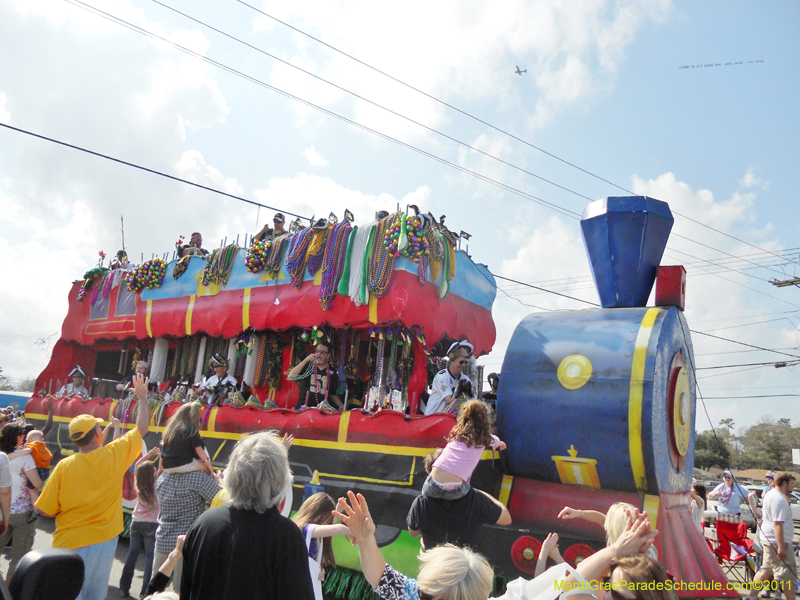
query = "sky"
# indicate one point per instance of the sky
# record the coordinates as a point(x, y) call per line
point(368, 106)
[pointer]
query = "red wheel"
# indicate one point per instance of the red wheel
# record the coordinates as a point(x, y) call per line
point(577, 553)
point(525, 552)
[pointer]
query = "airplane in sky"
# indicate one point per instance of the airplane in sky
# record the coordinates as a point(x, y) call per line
point(518, 72)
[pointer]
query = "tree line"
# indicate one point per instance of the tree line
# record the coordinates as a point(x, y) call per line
point(766, 445)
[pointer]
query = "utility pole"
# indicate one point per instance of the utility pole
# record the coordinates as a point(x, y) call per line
point(785, 282)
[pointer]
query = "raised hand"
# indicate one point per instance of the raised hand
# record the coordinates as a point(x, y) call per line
point(355, 514)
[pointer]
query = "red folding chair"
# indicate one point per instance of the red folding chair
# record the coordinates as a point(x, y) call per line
point(733, 551)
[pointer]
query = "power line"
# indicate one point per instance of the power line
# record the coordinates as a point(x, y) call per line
point(761, 396)
point(515, 191)
point(761, 364)
point(545, 290)
point(373, 103)
point(479, 120)
point(153, 171)
point(743, 344)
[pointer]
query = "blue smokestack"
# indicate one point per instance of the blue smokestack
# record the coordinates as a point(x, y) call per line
point(625, 239)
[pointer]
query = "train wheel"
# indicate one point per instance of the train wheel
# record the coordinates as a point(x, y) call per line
point(576, 553)
point(525, 552)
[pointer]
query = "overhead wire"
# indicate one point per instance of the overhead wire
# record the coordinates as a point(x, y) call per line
point(153, 171)
point(515, 191)
point(483, 122)
point(225, 67)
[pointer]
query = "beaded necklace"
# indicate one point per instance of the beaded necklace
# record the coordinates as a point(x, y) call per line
point(297, 258)
point(730, 493)
point(272, 264)
point(261, 372)
point(357, 262)
point(327, 381)
point(219, 265)
point(381, 263)
point(317, 248)
point(333, 261)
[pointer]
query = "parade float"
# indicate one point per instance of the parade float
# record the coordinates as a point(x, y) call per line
point(596, 406)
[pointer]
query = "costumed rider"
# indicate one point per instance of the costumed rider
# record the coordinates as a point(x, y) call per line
point(451, 383)
point(126, 385)
point(220, 383)
point(76, 388)
point(270, 233)
point(490, 397)
point(195, 246)
point(317, 380)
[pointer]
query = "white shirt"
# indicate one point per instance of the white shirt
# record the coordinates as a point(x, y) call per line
point(776, 508)
point(213, 382)
point(442, 386)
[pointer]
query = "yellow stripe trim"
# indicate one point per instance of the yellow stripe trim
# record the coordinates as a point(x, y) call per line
point(189, 312)
point(347, 446)
point(505, 489)
point(344, 423)
point(111, 410)
point(219, 449)
point(373, 308)
point(650, 505)
point(147, 318)
point(635, 399)
point(212, 421)
point(246, 309)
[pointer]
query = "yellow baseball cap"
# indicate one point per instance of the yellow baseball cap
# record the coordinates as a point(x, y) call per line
point(81, 425)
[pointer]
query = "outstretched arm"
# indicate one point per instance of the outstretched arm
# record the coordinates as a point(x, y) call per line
point(356, 516)
point(143, 405)
point(593, 516)
point(323, 531)
point(49, 423)
point(154, 451)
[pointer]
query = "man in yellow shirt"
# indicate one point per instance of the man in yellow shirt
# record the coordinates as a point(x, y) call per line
point(84, 493)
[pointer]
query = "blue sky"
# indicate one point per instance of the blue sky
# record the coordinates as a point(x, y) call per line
point(603, 90)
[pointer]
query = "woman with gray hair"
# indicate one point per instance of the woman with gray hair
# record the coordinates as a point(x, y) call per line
point(247, 549)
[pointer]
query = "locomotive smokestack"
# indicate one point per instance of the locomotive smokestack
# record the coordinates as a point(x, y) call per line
point(625, 238)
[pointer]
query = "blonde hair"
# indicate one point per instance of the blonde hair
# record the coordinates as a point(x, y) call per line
point(451, 573)
point(34, 435)
point(616, 520)
point(185, 420)
point(458, 352)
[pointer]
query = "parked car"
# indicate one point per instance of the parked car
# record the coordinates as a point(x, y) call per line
point(794, 501)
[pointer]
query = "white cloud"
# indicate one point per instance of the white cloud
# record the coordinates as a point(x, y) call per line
point(750, 179)
point(460, 52)
point(314, 157)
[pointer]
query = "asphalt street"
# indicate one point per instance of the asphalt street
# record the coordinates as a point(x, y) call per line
point(44, 539)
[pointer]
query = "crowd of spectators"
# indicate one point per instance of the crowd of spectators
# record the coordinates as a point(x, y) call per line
point(245, 548)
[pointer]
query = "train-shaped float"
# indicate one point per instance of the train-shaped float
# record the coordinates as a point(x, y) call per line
point(597, 406)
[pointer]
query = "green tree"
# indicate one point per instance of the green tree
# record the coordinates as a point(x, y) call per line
point(711, 451)
point(769, 443)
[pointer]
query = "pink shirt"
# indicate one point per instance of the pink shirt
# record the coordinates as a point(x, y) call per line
point(145, 512)
point(460, 460)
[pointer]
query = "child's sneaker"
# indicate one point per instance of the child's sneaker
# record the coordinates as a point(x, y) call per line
point(764, 594)
point(34, 515)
